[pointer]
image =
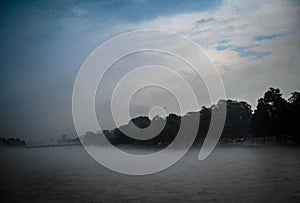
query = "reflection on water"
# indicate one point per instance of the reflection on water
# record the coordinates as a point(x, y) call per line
point(234, 174)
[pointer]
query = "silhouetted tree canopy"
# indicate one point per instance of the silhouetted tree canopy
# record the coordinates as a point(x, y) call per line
point(237, 123)
point(294, 115)
point(273, 117)
point(238, 118)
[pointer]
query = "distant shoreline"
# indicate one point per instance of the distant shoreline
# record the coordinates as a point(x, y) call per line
point(124, 146)
point(52, 145)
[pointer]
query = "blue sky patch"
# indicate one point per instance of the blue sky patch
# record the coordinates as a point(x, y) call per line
point(223, 41)
point(245, 51)
point(266, 37)
point(204, 20)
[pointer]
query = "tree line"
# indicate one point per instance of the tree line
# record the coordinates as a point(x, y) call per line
point(12, 142)
point(274, 117)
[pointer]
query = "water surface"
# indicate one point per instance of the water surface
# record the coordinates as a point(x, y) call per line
point(231, 174)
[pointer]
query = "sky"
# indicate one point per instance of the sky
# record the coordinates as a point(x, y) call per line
point(254, 45)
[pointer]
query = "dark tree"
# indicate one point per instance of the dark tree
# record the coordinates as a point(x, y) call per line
point(238, 118)
point(205, 117)
point(271, 116)
point(141, 122)
point(294, 113)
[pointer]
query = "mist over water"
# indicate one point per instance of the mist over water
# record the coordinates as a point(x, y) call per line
point(229, 174)
point(155, 79)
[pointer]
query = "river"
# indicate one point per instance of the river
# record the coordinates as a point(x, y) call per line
point(230, 174)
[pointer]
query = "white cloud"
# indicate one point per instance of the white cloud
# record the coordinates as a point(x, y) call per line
point(247, 74)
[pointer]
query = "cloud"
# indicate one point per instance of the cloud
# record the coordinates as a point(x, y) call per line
point(242, 39)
